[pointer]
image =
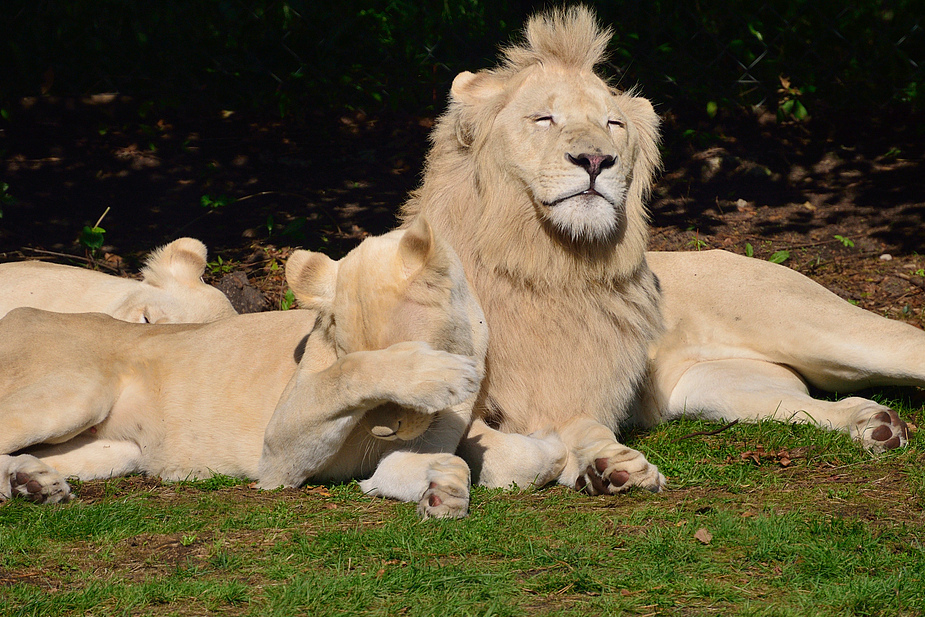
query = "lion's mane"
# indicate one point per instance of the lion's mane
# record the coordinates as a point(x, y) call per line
point(553, 302)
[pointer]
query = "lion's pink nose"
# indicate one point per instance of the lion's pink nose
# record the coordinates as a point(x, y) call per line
point(592, 163)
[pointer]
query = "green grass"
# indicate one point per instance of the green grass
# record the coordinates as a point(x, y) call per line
point(834, 532)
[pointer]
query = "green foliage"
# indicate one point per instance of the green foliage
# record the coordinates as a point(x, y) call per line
point(287, 301)
point(214, 203)
point(93, 237)
point(779, 257)
point(5, 198)
point(846, 242)
point(220, 266)
point(749, 250)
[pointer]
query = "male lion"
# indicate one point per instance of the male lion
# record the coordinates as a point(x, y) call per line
point(171, 291)
point(537, 177)
point(376, 377)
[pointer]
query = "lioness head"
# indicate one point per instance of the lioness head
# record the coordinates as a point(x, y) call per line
point(172, 290)
point(406, 285)
point(551, 154)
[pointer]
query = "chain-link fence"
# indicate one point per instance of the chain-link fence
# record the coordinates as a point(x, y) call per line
point(297, 55)
point(774, 53)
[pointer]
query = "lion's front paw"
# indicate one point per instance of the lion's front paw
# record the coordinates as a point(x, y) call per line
point(619, 470)
point(431, 380)
point(36, 481)
point(881, 431)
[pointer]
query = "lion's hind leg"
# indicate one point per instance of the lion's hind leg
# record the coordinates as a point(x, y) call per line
point(752, 390)
point(438, 482)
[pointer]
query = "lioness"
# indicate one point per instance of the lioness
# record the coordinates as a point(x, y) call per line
point(376, 377)
point(171, 290)
point(537, 177)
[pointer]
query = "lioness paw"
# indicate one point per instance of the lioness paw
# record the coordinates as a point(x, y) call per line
point(430, 380)
point(618, 471)
point(883, 430)
point(442, 500)
point(37, 482)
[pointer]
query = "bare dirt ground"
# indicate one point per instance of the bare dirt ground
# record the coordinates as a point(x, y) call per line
point(838, 197)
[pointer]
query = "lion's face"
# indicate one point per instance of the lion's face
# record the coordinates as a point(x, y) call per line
point(568, 141)
point(565, 138)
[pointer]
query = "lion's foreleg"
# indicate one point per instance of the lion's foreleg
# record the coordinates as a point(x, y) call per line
point(511, 460)
point(599, 464)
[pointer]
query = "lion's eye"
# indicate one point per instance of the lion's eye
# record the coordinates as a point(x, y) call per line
point(543, 121)
point(616, 124)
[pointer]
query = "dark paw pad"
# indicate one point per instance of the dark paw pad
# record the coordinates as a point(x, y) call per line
point(893, 433)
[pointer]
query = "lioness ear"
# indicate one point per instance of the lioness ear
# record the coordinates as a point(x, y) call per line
point(312, 278)
point(182, 260)
point(416, 246)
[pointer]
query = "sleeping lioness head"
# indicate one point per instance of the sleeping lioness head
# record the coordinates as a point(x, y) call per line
point(407, 285)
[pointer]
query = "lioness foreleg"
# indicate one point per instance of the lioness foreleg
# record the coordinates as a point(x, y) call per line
point(318, 410)
point(27, 477)
point(439, 482)
point(599, 464)
point(53, 408)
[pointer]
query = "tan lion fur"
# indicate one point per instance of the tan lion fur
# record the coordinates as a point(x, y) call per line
point(375, 378)
point(550, 296)
point(537, 175)
point(171, 289)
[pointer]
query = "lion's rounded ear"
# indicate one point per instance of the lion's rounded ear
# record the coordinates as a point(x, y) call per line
point(639, 110)
point(182, 260)
point(473, 88)
point(312, 278)
point(416, 246)
point(469, 93)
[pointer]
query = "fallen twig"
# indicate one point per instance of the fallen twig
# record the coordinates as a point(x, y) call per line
point(705, 433)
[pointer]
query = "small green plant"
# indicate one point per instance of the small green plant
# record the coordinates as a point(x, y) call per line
point(749, 250)
point(697, 242)
point(214, 203)
point(220, 266)
point(920, 272)
point(93, 237)
point(779, 257)
point(5, 198)
point(846, 242)
point(287, 301)
point(789, 106)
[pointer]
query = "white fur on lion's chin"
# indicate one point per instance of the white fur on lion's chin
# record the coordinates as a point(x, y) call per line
point(587, 218)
